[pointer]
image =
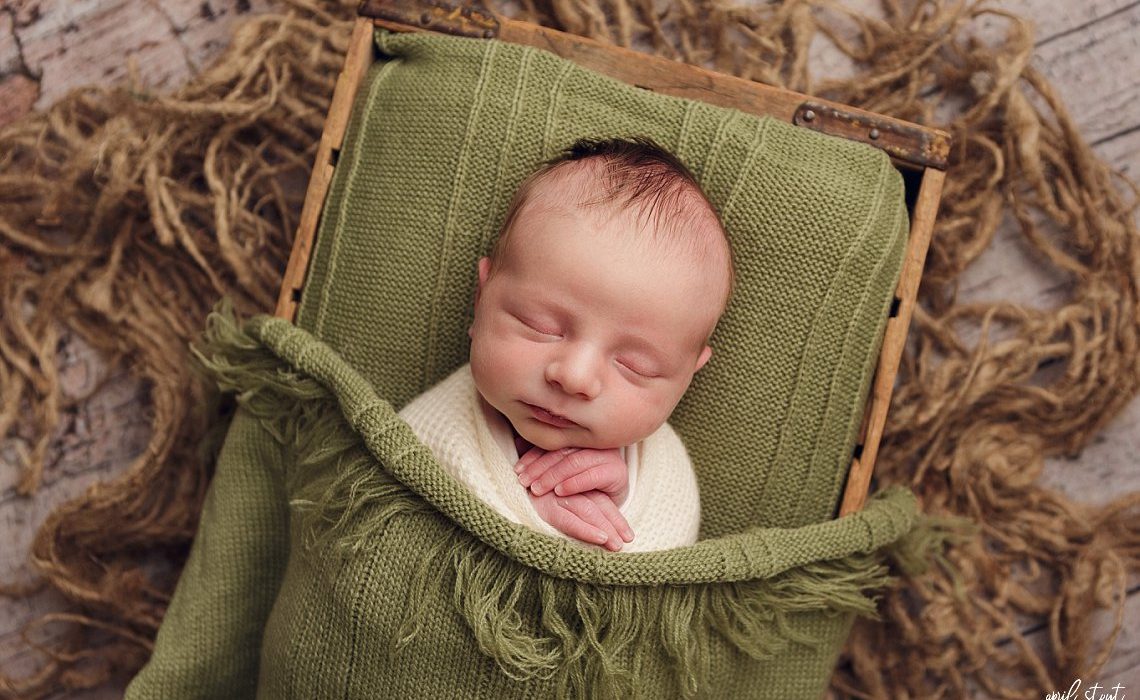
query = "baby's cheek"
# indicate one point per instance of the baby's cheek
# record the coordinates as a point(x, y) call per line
point(654, 412)
point(495, 361)
point(483, 367)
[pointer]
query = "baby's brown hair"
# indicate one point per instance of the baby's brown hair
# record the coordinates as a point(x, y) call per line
point(635, 173)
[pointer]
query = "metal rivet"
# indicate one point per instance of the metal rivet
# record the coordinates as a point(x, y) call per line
point(809, 115)
point(874, 134)
point(425, 18)
point(488, 33)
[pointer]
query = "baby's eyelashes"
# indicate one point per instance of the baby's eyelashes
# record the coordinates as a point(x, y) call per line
point(540, 327)
point(641, 371)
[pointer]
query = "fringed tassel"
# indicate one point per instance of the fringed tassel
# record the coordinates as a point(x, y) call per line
point(590, 639)
point(926, 542)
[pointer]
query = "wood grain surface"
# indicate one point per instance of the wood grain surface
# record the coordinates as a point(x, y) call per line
point(1090, 51)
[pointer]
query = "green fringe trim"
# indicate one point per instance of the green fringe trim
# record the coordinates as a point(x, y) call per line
point(590, 636)
point(926, 543)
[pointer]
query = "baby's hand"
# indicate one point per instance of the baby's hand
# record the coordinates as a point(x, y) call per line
point(574, 470)
point(591, 517)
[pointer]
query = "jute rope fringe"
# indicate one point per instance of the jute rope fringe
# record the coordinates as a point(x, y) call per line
point(124, 215)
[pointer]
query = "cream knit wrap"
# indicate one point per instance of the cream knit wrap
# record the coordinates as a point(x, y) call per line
point(474, 445)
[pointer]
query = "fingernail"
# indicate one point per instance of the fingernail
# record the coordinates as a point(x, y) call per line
point(600, 537)
point(559, 490)
point(519, 467)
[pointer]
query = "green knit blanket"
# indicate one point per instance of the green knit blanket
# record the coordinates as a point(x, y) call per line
point(336, 558)
point(443, 131)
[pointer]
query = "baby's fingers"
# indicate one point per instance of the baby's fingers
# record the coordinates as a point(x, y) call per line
point(567, 519)
point(531, 455)
point(613, 515)
point(528, 473)
point(579, 461)
point(604, 477)
point(592, 513)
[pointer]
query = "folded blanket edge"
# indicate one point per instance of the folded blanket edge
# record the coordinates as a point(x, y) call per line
point(248, 359)
point(743, 589)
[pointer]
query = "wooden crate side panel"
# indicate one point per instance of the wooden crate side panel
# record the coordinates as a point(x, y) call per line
point(894, 340)
point(360, 56)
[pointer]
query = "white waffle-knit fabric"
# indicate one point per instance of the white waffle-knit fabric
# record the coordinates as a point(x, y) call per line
point(474, 443)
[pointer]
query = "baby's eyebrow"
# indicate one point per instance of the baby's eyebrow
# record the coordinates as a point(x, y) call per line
point(543, 304)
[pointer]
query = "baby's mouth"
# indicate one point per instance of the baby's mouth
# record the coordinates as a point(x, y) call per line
point(544, 416)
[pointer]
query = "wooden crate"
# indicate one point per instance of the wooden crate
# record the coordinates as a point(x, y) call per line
point(919, 152)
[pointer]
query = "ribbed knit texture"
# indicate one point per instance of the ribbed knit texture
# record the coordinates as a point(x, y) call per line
point(401, 583)
point(447, 128)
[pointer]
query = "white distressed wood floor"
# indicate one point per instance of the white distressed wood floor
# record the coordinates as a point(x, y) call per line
point(1090, 50)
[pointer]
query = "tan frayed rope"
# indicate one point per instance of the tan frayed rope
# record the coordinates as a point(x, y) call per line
point(123, 216)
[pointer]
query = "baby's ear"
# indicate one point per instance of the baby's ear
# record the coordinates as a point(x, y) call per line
point(706, 353)
point(482, 270)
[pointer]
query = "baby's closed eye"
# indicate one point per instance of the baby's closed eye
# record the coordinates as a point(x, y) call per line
point(638, 367)
point(541, 327)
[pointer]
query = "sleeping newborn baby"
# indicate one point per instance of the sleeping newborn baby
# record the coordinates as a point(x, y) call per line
point(592, 314)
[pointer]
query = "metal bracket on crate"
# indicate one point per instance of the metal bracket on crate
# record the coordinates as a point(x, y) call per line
point(469, 19)
point(905, 143)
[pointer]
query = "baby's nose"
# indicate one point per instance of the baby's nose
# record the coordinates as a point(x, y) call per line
point(574, 375)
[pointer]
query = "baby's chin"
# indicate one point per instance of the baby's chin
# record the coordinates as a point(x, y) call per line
point(550, 438)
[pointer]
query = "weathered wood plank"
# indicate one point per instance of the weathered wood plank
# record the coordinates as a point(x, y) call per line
point(18, 89)
point(1094, 72)
point(1122, 668)
point(1106, 469)
point(94, 443)
point(62, 45)
point(1051, 19)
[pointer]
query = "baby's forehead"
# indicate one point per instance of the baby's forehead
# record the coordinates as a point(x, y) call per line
point(671, 209)
point(661, 215)
point(663, 209)
point(706, 266)
point(571, 184)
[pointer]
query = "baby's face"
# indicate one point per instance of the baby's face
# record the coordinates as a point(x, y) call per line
point(587, 335)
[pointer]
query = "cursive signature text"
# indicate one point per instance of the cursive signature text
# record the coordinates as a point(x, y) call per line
point(1094, 692)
